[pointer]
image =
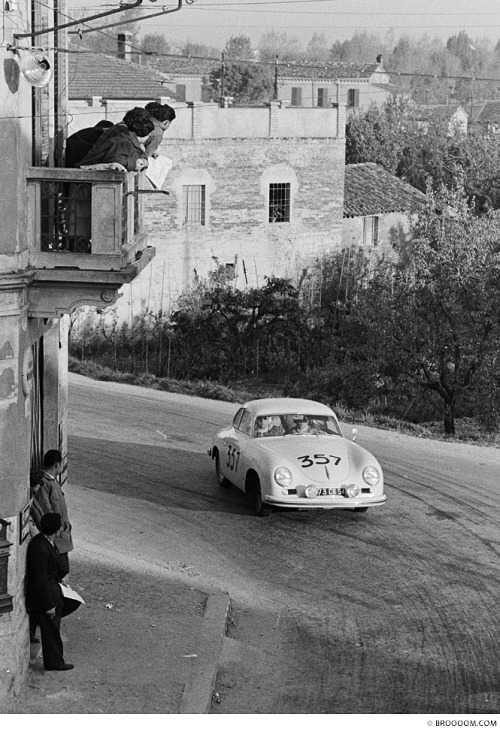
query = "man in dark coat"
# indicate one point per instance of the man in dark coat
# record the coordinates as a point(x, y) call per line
point(123, 144)
point(44, 598)
point(79, 144)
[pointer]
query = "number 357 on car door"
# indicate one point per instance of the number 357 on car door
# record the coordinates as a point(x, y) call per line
point(233, 457)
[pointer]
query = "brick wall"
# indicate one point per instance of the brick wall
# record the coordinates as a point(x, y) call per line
point(236, 174)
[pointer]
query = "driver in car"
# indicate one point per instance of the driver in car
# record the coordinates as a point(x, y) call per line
point(301, 425)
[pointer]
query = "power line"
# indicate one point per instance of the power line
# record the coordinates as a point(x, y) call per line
point(323, 67)
point(267, 3)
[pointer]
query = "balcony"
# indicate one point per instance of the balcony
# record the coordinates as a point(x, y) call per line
point(85, 236)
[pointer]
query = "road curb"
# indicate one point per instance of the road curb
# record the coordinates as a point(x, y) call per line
point(197, 697)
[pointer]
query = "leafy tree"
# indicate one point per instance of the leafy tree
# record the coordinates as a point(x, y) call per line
point(448, 297)
point(274, 44)
point(247, 83)
point(225, 332)
point(380, 135)
point(317, 49)
point(200, 50)
point(239, 48)
point(155, 44)
point(361, 48)
point(463, 48)
point(388, 136)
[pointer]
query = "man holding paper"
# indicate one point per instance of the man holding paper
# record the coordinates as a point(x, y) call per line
point(162, 115)
point(44, 597)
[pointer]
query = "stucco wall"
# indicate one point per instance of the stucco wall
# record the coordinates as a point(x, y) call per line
point(17, 333)
point(337, 92)
point(393, 228)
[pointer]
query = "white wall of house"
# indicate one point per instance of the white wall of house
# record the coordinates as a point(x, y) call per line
point(357, 232)
point(324, 92)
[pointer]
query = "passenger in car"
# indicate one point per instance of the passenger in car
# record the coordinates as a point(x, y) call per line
point(265, 427)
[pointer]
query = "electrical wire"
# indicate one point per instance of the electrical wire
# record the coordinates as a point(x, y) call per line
point(243, 6)
point(269, 63)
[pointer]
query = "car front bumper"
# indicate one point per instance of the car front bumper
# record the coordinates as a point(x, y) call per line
point(321, 502)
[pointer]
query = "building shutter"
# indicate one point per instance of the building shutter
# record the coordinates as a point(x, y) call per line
point(180, 92)
point(296, 96)
point(323, 97)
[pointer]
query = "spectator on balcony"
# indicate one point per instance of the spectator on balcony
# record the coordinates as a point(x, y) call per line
point(79, 144)
point(122, 146)
point(162, 115)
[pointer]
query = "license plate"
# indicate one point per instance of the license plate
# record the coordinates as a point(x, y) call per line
point(330, 492)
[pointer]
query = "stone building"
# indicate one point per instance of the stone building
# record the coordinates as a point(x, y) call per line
point(48, 266)
point(259, 190)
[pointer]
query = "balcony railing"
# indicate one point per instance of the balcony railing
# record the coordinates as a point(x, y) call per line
point(84, 219)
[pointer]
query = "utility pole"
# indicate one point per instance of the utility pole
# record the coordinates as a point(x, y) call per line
point(276, 79)
point(222, 77)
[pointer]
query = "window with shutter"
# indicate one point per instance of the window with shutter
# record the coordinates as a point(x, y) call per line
point(323, 97)
point(353, 98)
point(296, 96)
point(370, 231)
point(180, 92)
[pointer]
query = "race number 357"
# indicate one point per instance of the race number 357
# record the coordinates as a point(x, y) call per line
point(318, 459)
point(233, 456)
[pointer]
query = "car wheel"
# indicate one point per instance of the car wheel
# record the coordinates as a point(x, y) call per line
point(222, 480)
point(261, 508)
point(361, 509)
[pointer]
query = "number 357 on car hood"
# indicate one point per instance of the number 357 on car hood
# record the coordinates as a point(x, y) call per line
point(320, 458)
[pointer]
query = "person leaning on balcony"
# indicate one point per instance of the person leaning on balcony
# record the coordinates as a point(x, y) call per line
point(80, 143)
point(122, 146)
point(162, 115)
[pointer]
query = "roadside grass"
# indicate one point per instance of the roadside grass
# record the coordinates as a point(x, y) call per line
point(468, 430)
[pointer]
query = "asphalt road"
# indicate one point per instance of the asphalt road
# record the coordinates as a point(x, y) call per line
point(392, 611)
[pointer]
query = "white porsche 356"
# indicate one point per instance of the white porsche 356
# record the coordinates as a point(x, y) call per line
point(291, 453)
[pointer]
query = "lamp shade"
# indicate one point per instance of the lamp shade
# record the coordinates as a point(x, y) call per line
point(36, 69)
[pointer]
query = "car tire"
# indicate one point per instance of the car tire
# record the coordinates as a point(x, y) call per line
point(222, 480)
point(260, 506)
point(361, 509)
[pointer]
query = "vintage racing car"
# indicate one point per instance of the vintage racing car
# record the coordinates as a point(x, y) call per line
point(291, 453)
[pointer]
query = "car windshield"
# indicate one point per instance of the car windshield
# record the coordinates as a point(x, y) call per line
point(269, 426)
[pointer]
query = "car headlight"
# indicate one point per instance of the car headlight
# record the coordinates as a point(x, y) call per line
point(352, 491)
point(283, 476)
point(311, 491)
point(371, 475)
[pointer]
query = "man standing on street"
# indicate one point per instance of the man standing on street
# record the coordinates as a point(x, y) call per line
point(44, 598)
point(50, 498)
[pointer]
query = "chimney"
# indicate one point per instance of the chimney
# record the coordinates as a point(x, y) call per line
point(124, 50)
point(380, 59)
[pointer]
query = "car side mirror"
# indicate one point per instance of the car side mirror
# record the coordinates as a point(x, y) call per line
point(354, 433)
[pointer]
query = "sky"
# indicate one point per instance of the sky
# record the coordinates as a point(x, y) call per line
point(213, 22)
